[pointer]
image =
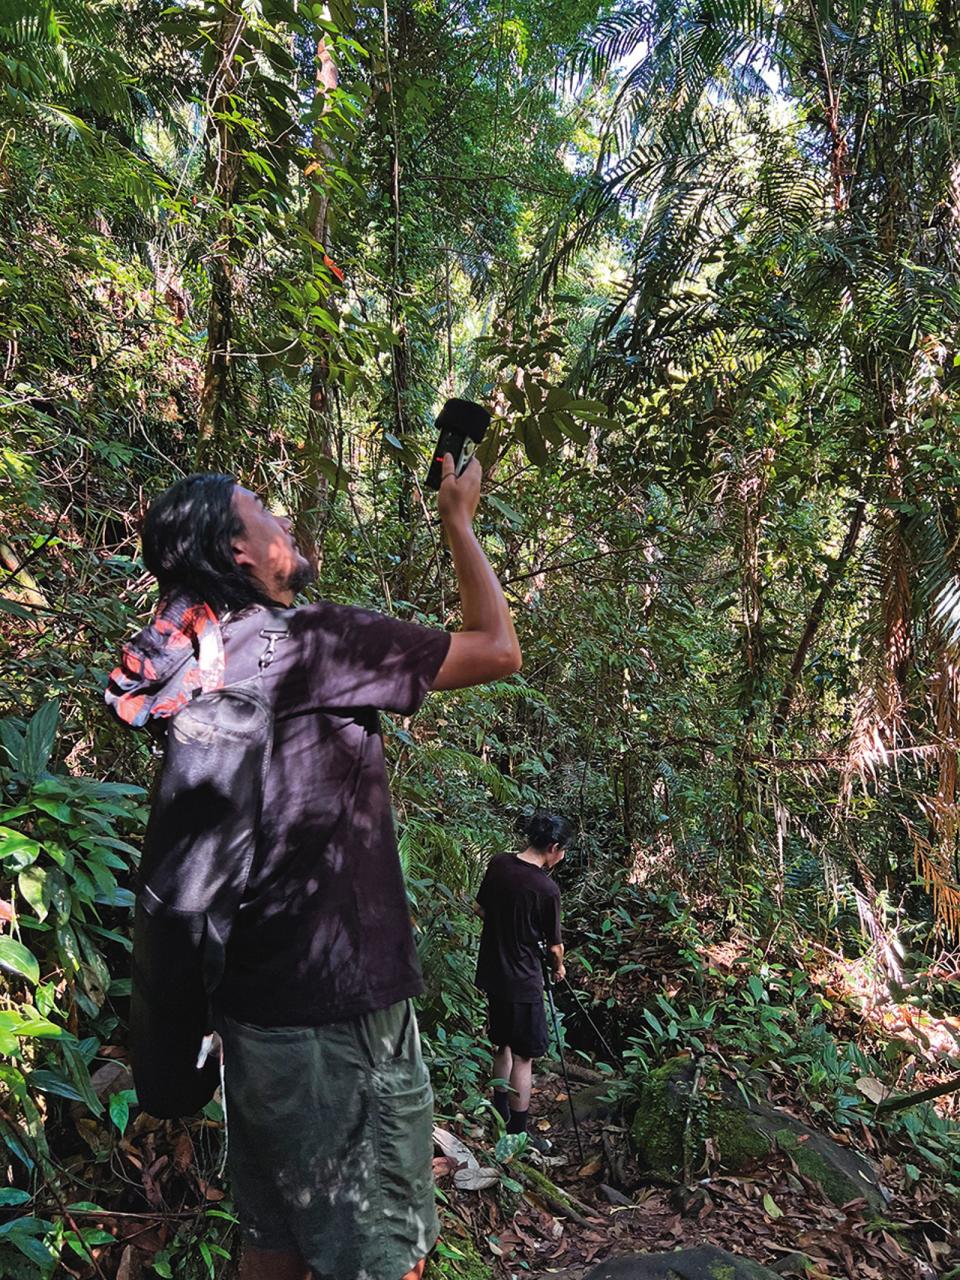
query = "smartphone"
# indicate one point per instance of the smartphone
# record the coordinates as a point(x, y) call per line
point(462, 426)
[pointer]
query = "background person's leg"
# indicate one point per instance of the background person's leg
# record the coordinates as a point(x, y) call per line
point(503, 1063)
point(268, 1264)
point(521, 1082)
point(502, 1067)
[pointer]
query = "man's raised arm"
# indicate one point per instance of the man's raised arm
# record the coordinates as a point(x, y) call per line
point(485, 648)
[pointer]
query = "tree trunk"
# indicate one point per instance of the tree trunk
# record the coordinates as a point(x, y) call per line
point(752, 494)
point(816, 617)
point(318, 440)
point(223, 174)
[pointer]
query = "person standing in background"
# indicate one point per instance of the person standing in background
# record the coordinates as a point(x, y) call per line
point(520, 907)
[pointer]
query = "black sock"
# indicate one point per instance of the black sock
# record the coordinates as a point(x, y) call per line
point(517, 1122)
point(501, 1104)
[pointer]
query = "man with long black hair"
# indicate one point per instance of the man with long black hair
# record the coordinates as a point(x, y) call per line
point(327, 1097)
point(520, 906)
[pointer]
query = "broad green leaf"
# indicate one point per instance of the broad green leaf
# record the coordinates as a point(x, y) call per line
point(68, 947)
point(654, 1021)
point(533, 444)
point(120, 1108)
point(572, 429)
point(11, 740)
point(31, 1024)
point(111, 842)
point(32, 883)
point(505, 509)
point(550, 430)
point(16, 610)
point(557, 398)
point(106, 789)
point(24, 1234)
point(16, 958)
point(17, 1142)
point(89, 1238)
point(41, 733)
point(116, 897)
point(107, 858)
point(535, 396)
point(17, 849)
point(55, 809)
point(112, 935)
point(80, 1075)
point(53, 1082)
point(514, 396)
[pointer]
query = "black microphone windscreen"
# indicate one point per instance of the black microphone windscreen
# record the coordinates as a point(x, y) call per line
point(465, 418)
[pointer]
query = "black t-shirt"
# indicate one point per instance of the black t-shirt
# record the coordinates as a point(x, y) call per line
point(521, 906)
point(323, 933)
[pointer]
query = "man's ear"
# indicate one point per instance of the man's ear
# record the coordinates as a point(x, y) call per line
point(240, 553)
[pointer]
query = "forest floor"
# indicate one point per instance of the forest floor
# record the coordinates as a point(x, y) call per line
point(771, 1213)
point(161, 1176)
point(809, 1236)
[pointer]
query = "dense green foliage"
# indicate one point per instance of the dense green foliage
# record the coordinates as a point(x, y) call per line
point(701, 259)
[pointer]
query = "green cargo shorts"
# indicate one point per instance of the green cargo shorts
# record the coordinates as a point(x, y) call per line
point(330, 1142)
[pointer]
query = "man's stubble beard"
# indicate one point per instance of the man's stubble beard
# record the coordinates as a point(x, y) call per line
point(301, 576)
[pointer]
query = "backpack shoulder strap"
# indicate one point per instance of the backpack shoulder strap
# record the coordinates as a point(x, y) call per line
point(275, 629)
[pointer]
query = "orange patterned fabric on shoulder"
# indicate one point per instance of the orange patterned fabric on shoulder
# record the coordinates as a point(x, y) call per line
point(179, 655)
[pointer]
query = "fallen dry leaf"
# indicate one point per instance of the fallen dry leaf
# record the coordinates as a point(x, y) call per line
point(475, 1179)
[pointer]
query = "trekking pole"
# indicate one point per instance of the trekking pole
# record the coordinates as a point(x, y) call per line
point(577, 1001)
point(548, 985)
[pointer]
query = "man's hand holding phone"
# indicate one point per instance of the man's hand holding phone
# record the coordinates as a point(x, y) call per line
point(462, 425)
point(485, 648)
point(459, 495)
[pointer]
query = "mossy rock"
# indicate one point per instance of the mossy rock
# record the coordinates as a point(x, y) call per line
point(841, 1173)
point(741, 1132)
point(660, 1125)
point(705, 1263)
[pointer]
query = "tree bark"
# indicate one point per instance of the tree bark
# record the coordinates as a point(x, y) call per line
point(902, 1101)
point(223, 174)
point(815, 618)
point(318, 441)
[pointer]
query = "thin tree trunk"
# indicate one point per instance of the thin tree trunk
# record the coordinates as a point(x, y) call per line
point(752, 493)
point(316, 492)
point(400, 351)
point(223, 173)
point(815, 618)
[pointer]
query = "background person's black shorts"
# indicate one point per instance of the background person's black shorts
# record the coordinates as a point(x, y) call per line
point(521, 1025)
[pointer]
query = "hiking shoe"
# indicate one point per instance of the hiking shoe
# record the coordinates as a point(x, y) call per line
point(539, 1143)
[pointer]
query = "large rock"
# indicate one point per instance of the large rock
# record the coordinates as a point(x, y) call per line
point(705, 1263)
point(672, 1118)
point(595, 1102)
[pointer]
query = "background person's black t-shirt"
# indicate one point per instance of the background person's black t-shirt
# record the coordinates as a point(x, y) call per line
point(521, 905)
point(323, 933)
